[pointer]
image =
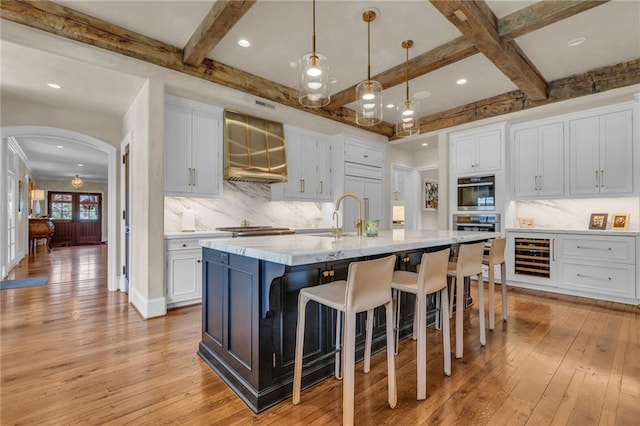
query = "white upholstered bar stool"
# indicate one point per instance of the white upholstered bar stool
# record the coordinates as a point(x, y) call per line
point(495, 258)
point(469, 264)
point(431, 278)
point(368, 286)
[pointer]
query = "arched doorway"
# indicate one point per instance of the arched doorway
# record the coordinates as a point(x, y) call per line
point(63, 134)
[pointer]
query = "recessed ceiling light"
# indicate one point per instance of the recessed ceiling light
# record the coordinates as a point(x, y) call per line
point(461, 81)
point(54, 86)
point(576, 41)
point(80, 165)
point(390, 105)
point(244, 42)
point(59, 146)
point(333, 80)
point(293, 64)
point(425, 144)
point(421, 95)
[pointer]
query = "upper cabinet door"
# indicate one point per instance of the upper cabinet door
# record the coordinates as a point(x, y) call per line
point(616, 153)
point(464, 153)
point(489, 151)
point(551, 160)
point(526, 176)
point(206, 155)
point(177, 156)
point(585, 157)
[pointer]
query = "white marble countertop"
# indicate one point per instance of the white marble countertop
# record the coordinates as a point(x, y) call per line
point(300, 249)
point(196, 235)
point(576, 231)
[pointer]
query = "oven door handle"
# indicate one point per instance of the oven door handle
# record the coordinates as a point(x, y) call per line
point(469, 185)
point(486, 225)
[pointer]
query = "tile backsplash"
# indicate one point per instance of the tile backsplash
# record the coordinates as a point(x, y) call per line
point(250, 201)
point(575, 213)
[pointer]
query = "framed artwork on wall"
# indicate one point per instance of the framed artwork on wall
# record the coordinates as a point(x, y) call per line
point(430, 195)
point(598, 221)
point(620, 221)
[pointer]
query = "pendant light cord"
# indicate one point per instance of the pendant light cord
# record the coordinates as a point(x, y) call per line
point(369, 50)
point(407, 72)
point(313, 37)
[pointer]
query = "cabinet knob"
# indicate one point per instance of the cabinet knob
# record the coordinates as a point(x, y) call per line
point(184, 244)
point(199, 261)
point(366, 156)
point(325, 274)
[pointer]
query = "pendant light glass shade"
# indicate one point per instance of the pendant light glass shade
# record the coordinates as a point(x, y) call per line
point(314, 75)
point(408, 111)
point(76, 182)
point(369, 92)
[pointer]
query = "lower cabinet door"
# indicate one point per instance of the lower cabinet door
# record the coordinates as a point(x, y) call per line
point(607, 279)
point(184, 277)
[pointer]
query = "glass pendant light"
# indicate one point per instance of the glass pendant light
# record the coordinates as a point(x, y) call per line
point(368, 92)
point(314, 75)
point(407, 120)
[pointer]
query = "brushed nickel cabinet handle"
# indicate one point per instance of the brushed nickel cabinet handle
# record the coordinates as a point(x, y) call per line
point(597, 180)
point(321, 187)
point(594, 277)
point(301, 185)
point(601, 178)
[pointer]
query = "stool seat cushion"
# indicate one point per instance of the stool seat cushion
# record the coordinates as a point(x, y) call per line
point(332, 294)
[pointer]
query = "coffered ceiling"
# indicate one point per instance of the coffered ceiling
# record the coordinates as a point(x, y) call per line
point(513, 54)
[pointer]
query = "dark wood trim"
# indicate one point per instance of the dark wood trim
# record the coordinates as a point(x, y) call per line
point(224, 14)
point(592, 82)
point(479, 25)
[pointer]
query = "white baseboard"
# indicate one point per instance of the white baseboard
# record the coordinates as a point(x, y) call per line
point(148, 308)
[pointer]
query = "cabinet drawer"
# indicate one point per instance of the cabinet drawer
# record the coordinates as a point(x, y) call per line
point(189, 244)
point(363, 152)
point(362, 170)
point(615, 280)
point(612, 248)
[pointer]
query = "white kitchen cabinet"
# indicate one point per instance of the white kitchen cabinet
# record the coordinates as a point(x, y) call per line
point(601, 153)
point(183, 272)
point(364, 152)
point(539, 161)
point(476, 152)
point(598, 265)
point(193, 148)
point(370, 191)
point(581, 263)
point(308, 167)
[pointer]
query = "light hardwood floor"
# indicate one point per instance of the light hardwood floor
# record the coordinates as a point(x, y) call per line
point(71, 352)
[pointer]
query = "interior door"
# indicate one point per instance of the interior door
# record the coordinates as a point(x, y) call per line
point(77, 217)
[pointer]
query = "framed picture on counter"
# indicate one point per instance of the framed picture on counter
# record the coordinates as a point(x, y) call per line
point(620, 221)
point(598, 221)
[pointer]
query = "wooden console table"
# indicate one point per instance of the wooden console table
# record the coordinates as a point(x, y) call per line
point(40, 228)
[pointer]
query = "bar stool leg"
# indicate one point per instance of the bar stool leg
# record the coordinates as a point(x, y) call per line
point(483, 332)
point(396, 318)
point(339, 344)
point(446, 333)
point(414, 332)
point(368, 341)
point(503, 277)
point(297, 369)
point(391, 359)
point(421, 362)
point(492, 306)
point(459, 314)
point(349, 368)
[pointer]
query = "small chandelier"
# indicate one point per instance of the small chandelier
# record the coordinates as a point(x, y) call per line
point(314, 75)
point(407, 120)
point(368, 92)
point(76, 182)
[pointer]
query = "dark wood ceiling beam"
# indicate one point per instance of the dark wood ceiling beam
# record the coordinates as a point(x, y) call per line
point(592, 82)
point(224, 14)
point(65, 22)
point(432, 60)
point(540, 15)
point(479, 25)
point(514, 25)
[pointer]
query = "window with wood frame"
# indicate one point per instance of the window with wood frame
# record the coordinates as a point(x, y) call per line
point(75, 206)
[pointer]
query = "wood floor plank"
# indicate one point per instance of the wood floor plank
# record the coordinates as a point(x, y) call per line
point(71, 352)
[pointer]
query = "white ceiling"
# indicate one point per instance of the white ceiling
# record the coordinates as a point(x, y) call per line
point(280, 32)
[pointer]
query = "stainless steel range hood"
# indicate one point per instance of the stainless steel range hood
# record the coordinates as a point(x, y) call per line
point(254, 149)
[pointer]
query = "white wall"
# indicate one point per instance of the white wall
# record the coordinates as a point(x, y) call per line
point(145, 119)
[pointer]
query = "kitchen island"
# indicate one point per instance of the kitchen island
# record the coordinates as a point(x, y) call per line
point(250, 295)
